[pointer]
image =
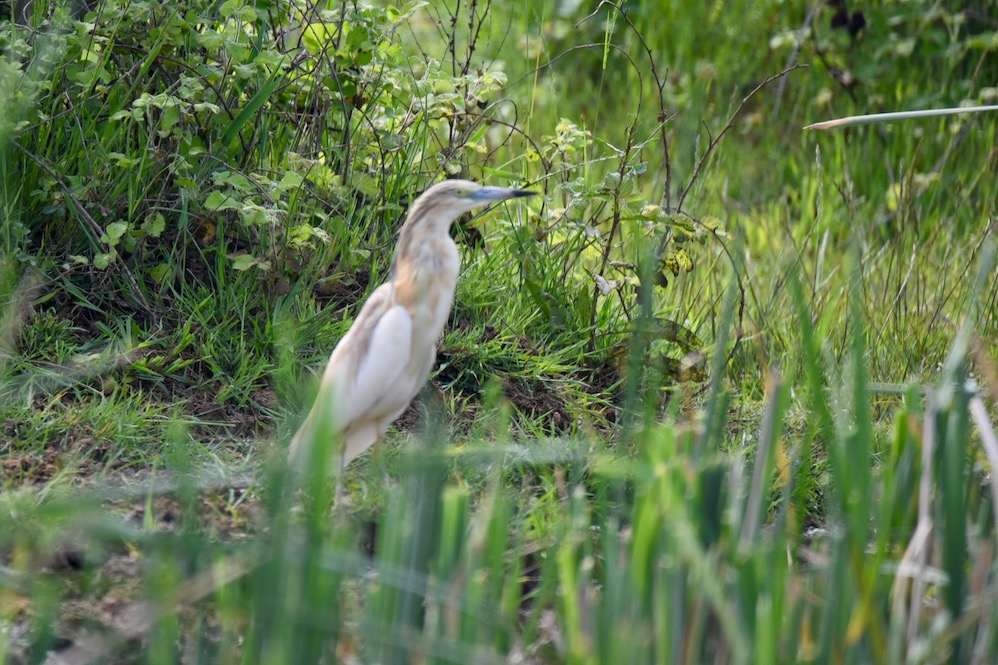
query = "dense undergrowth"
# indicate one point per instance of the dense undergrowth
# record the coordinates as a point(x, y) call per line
point(724, 393)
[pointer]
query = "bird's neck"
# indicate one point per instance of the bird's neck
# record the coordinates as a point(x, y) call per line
point(425, 259)
point(425, 275)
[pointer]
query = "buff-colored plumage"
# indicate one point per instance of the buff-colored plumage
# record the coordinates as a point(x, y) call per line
point(386, 356)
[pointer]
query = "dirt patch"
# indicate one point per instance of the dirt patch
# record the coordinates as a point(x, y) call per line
point(222, 420)
point(83, 453)
point(341, 288)
point(103, 581)
point(537, 401)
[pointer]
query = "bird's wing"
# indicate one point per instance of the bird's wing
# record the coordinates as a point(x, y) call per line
point(368, 361)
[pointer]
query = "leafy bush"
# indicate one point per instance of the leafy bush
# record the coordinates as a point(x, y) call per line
point(251, 134)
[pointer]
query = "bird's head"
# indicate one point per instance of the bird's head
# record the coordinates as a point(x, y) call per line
point(445, 201)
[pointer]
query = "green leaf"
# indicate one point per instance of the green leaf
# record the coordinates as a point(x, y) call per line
point(154, 224)
point(219, 201)
point(123, 160)
point(251, 109)
point(291, 180)
point(315, 36)
point(243, 262)
point(170, 117)
point(114, 232)
point(238, 9)
point(210, 40)
point(233, 179)
point(538, 297)
point(161, 272)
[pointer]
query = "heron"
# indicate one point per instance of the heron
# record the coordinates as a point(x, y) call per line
point(386, 356)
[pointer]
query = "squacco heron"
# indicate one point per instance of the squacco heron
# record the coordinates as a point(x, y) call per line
point(385, 358)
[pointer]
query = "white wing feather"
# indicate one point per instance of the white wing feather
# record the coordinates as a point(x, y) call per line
point(355, 387)
point(378, 372)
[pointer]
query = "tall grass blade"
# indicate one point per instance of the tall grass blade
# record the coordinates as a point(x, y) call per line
point(873, 118)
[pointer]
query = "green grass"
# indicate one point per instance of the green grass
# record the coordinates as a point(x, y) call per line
point(706, 400)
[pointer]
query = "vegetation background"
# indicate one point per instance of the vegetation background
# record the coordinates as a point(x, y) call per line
point(725, 393)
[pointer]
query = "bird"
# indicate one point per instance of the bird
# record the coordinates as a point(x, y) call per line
point(384, 359)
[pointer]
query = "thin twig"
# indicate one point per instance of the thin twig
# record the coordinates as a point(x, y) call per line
point(663, 115)
point(731, 122)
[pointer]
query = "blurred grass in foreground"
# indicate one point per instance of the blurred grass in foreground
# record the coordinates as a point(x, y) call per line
point(684, 552)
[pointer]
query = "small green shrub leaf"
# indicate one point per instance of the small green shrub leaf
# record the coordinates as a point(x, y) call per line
point(161, 272)
point(114, 232)
point(219, 201)
point(154, 225)
point(243, 262)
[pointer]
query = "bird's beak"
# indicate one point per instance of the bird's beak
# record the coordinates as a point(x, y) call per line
point(486, 194)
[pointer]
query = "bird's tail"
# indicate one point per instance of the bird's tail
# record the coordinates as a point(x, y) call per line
point(348, 445)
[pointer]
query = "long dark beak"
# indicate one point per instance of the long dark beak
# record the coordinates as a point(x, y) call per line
point(500, 193)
